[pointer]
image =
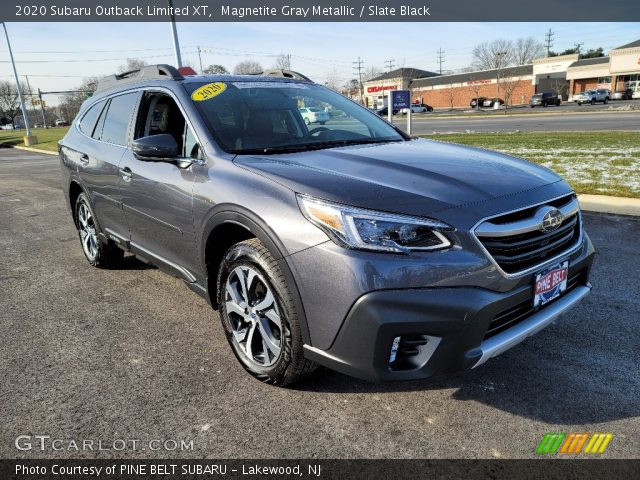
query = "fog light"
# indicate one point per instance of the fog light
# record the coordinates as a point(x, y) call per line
point(394, 349)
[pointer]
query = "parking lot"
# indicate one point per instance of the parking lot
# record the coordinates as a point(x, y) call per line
point(133, 353)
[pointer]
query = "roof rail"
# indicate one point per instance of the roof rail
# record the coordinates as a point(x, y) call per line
point(285, 74)
point(148, 72)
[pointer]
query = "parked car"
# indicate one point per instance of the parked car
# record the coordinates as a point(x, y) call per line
point(491, 102)
point(545, 99)
point(62, 123)
point(477, 101)
point(626, 94)
point(418, 108)
point(384, 111)
point(314, 115)
point(592, 96)
point(379, 255)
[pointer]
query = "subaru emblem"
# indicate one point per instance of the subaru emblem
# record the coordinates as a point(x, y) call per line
point(551, 220)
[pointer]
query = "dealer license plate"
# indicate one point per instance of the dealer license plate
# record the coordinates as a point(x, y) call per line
point(550, 283)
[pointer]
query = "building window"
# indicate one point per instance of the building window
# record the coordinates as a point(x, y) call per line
point(604, 80)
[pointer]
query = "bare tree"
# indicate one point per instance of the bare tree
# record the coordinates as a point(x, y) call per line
point(526, 50)
point(332, 80)
point(450, 92)
point(10, 101)
point(282, 62)
point(70, 104)
point(132, 64)
point(215, 70)
point(475, 88)
point(371, 72)
point(351, 88)
point(490, 55)
point(508, 86)
point(248, 67)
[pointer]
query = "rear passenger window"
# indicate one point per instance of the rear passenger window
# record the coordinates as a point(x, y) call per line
point(116, 122)
point(88, 122)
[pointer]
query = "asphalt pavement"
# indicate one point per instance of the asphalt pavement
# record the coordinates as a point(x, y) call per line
point(134, 354)
point(545, 122)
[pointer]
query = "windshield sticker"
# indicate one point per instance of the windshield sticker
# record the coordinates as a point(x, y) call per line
point(208, 91)
point(269, 85)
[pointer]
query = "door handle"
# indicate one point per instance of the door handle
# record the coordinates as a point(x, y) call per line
point(126, 173)
point(84, 158)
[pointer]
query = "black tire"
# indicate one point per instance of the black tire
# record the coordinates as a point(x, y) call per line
point(606, 100)
point(307, 121)
point(322, 123)
point(102, 255)
point(290, 365)
point(593, 101)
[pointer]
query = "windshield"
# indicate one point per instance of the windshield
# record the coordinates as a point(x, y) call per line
point(590, 92)
point(266, 117)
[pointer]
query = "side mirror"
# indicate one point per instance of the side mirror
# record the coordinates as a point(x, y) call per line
point(162, 147)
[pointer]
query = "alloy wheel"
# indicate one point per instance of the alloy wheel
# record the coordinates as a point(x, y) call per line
point(87, 229)
point(254, 316)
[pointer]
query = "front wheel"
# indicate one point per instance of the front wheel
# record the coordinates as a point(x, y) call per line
point(606, 100)
point(259, 316)
point(98, 254)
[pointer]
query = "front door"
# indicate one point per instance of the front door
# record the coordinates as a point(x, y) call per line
point(157, 196)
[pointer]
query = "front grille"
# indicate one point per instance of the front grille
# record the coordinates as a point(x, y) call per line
point(517, 313)
point(519, 252)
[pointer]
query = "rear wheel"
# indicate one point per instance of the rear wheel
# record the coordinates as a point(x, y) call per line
point(606, 100)
point(593, 101)
point(307, 121)
point(97, 253)
point(259, 316)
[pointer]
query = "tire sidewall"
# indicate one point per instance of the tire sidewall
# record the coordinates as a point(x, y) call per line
point(83, 200)
point(244, 255)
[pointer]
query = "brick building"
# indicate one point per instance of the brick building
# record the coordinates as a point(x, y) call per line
point(564, 74)
point(619, 71)
point(512, 84)
point(375, 90)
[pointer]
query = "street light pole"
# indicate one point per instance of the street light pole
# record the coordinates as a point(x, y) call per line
point(174, 34)
point(29, 139)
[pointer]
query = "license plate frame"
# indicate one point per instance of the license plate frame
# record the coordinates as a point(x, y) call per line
point(550, 283)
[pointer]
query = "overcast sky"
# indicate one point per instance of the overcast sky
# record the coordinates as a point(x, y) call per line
point(56, 56)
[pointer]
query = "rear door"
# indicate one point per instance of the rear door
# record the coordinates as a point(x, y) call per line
point(106, 124)
point(157, 195)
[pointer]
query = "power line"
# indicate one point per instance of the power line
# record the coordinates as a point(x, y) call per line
point(548, 42)
point(390, 63)
point(440, 59)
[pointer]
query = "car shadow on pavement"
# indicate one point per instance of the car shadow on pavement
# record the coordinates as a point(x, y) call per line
point(552, 392)
point(131, 262)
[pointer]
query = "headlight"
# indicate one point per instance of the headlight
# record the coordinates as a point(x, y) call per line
point(354, 227)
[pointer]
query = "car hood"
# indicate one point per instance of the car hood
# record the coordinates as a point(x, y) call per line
point(417, 177)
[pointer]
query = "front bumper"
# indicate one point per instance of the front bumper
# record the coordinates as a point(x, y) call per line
point(452, 324)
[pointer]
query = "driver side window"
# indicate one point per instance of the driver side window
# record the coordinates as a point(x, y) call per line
point(159, 114)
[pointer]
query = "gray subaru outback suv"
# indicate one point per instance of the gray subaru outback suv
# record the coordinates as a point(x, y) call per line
point(348, 244)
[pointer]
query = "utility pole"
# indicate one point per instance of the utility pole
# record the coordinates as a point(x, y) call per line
point(174, 34)
point(200, 60)
point(440, 59)
point(578, 46)
point(29, 139)
point(548, 41)
point(357, 67)
point(390, 64)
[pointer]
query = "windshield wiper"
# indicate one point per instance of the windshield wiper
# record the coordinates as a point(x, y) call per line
point(315, 146)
